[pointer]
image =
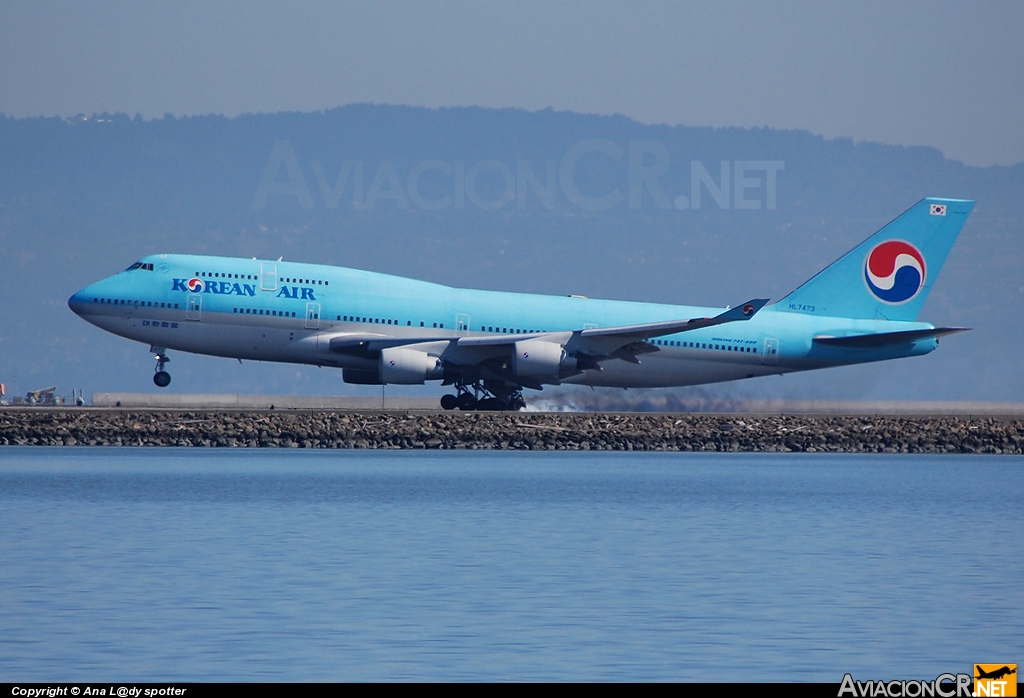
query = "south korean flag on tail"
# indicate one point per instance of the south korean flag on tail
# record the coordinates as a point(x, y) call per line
point(938, 209)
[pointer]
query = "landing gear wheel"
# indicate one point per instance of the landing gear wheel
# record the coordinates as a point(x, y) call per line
point(492, 396)
point(492, 404)
point(161, 377)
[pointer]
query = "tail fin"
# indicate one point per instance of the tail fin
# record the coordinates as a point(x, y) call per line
point(887, 276)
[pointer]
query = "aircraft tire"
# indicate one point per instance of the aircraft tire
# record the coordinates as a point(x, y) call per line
point(516, 404)
point(162, 379)
point(467, 402)
point(492, 404)
point(449, 402)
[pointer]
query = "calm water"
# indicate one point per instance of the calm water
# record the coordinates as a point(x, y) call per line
point(160, 564)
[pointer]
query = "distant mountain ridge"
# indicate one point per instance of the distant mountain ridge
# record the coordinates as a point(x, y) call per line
point(547, 202)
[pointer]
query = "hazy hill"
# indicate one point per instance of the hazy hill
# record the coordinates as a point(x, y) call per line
point(547, 202)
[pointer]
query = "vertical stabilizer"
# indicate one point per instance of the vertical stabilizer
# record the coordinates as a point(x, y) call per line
point(887, 276)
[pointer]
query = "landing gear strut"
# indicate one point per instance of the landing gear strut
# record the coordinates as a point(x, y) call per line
point(479, 397)
point(161, 377)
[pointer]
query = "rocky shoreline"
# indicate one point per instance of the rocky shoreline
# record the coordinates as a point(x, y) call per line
point(518, 431)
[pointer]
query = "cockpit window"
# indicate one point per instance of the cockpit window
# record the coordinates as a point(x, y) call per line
point(141, 265)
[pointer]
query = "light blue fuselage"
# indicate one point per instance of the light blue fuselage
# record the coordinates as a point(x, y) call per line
point(288, 312)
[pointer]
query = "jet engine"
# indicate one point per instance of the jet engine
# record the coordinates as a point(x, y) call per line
point(538, 359)
point(402, 366)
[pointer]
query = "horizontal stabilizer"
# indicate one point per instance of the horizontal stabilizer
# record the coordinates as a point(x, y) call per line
point(881, 339)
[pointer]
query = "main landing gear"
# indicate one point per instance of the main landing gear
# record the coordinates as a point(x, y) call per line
point(477, 397)
point(161, 377)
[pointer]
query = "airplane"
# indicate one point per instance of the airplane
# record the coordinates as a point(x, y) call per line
point(490, 345)
point(994, 674)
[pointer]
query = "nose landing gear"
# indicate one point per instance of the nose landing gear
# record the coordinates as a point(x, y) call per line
point(161, 377)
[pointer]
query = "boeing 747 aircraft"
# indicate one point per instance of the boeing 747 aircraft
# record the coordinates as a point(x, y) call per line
point(489, 345)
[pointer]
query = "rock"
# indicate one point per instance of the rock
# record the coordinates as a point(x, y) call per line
point(556, 431)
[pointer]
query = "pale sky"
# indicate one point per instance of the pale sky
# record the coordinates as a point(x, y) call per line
point(944, 74)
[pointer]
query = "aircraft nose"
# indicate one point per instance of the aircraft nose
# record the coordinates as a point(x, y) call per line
point(80, 301)
point(76, 302)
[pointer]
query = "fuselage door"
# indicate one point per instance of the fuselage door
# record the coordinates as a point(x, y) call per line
point(770, 352)
point(312, 316)
point(194, 307)
point(462, 322)
point(268, 276)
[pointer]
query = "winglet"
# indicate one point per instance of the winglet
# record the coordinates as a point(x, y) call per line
point(741, 313)
point(744, 311)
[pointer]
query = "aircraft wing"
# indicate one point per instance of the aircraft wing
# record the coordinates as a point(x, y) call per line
point(659, 329)
point(367, 343)
point(628, 333)
point(591, 345)
point(627, 341)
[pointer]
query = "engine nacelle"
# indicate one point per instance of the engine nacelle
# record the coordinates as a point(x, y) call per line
point(537, 359)
point(402, 366)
